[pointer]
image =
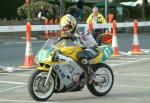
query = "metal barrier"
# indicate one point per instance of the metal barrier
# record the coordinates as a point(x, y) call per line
point(22, 28)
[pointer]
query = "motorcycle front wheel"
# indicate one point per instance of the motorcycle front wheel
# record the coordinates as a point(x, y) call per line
point(37, 88)
point(102, 81)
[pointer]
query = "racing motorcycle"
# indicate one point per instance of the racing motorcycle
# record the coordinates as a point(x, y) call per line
point(63, 71)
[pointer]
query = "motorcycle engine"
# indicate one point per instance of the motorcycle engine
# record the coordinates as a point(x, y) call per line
point(76, 78)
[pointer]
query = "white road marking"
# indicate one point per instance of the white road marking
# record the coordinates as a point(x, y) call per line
point(20, 69)
point(8, 43)
point(129, 62)
point(116, 64)
point(132, 86)
point(134, 58)
point(119, 61)
point(14, 74)
point(23, 101)
point(142, 75)
point(10, 82)
point(140, 55)
point(9, 89)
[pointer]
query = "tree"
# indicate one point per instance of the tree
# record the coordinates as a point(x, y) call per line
point(33, 1)
point(119, 1)
point(144, 7)
point(80, 4)
point(73, 10)
point(62, 8)
point(116, 1)
point(57, 2)
point(35, 8)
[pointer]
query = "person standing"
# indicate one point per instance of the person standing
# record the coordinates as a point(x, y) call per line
point(95, 17)
point(42, 13)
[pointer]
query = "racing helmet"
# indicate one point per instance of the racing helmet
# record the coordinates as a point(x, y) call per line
point(68, 23)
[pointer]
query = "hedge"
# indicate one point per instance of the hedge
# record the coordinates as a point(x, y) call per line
point(34, 8)
point(8, 8)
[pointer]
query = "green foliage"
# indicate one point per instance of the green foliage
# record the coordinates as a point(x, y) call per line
point(136, 12)
point(86, 10)
point(119, 1)
point(8, 8)
point(34, 9)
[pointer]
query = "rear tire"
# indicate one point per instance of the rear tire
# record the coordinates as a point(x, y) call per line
point(104, 86)
point(36, 87)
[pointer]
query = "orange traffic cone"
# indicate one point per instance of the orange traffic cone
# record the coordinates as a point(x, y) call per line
point(55, 32)
point(90, 29)
point(46, 32)
point(51, 31)
point(110, 17)
point(114, 40)
point(29, 58)
point(136, 47)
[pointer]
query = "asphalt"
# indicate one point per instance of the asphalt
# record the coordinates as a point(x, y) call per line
point(132, 80)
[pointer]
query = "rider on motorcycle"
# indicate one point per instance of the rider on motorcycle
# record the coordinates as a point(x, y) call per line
point(69, 27)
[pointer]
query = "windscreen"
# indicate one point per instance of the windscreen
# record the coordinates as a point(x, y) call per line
point(64, 42)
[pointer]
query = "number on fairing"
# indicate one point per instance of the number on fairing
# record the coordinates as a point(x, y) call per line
point(107, 52)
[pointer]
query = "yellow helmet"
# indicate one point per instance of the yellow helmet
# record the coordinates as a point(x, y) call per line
point(68, 23)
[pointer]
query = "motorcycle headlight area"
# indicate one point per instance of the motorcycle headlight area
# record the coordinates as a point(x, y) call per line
point(55, 55)
point(44, 65)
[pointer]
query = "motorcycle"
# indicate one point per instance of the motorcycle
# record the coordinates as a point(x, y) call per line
point(64, 72)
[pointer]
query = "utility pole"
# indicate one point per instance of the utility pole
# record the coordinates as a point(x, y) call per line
point(144, 6)
point(27, 3)
point(106, 9)
point(62, 8)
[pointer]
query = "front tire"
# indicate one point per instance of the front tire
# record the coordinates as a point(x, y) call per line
point(36, 87)
point(105, 76)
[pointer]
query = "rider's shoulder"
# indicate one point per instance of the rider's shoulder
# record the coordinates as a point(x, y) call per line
point(80, 30)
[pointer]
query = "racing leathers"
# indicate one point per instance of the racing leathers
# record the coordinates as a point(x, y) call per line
point(87, 41)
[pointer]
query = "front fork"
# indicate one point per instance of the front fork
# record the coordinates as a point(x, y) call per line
point(49, 73)
point(90, 73)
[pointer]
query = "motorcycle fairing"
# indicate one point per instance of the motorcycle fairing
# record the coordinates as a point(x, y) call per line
point(65, 74)
point(104, 53)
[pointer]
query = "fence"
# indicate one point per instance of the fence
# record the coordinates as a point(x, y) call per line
point(22, 28)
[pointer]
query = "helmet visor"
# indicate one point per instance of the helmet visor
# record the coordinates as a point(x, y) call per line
point(66, 28)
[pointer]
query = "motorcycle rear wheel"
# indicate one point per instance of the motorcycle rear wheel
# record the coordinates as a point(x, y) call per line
point(106, 77)
point(36, 87)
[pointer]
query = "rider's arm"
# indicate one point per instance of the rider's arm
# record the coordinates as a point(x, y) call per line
point(90, 41)
point(64, 36)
